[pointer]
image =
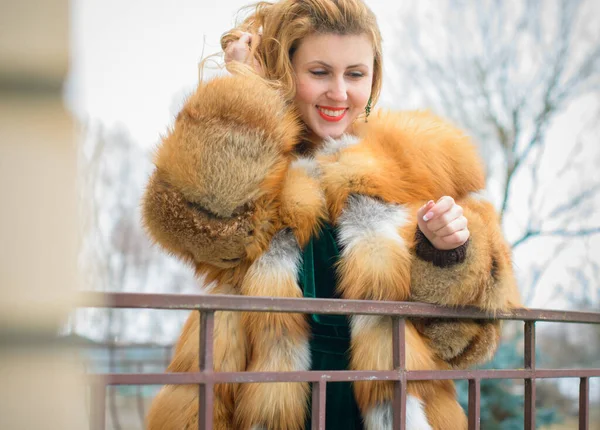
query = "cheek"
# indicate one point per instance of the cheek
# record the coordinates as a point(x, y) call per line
point(302, 92)
point(361, 96)
point(307, 91)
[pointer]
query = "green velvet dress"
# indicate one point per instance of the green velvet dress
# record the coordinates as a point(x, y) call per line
point(330, 337)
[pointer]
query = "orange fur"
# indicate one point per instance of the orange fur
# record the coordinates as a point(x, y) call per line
point(176, 406)
point(227, 182)
point(403, 157)
point(221, 223)
point(486, 282)
point(302, 204)
point(277, 342)
point(366, 357)
point(376, 269)
point(442, 409)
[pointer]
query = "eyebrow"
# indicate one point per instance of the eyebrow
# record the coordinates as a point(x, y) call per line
point(324, 64)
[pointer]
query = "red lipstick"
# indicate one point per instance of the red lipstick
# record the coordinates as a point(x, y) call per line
point(329, 117)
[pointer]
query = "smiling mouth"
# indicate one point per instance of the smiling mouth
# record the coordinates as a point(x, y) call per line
point(332, 114)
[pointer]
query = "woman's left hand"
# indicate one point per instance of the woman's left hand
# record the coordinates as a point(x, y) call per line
point(443, 223)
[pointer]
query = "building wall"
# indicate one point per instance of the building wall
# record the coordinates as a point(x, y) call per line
point(42, 386)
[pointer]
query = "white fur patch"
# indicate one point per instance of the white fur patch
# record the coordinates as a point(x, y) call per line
point(368, 218)
point(360, 323)
point(287, 355)
point(283, 255)
point(331, 145)
point(481, 195)
point(302, 359)
point(309, 165)
point(381, 418)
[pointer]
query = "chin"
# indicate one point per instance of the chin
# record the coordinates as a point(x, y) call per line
point(332, 132)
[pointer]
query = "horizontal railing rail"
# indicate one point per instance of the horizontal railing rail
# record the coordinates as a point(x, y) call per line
point(210, 302)
point(399, 311)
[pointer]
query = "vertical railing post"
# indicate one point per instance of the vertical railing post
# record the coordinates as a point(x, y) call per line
point(140, 395)
point(205, 362)
point(399, 357)
point(474, 403)
point(530, 382)
point(319, 395)
point(98, 405)
point(584, 403)
point(167, 356)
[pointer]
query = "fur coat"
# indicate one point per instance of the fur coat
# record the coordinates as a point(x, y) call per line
point(234, 196)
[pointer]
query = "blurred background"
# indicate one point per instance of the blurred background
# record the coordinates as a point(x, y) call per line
point(522, 77)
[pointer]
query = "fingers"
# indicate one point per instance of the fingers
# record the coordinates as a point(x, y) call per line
point(245, 38)
point(238, 50)
point(424, 209)
point(442, 220)
point(453, 226)
point(443, 223)
point(439, 208)
point(456, 239)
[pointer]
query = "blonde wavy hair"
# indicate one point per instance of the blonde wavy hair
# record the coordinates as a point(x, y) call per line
point(284, 24)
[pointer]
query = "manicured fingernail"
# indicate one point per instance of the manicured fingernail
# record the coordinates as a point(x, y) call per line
point(428, 216)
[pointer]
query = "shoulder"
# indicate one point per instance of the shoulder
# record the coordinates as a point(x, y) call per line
point(426, 146)
point(416, 130)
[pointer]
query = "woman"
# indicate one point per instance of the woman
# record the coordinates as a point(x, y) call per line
point(275, 181)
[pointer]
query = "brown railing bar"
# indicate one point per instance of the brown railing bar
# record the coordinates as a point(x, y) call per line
point(474, 403)
point(98, 405)
point(398, 343)
point(322, 306)
point(584, 404)
point(167, 356)
point(336, 376)
point(529, 344)
point(529, 404)
point(529, 364)
point(319, 395)
point(205, 363)
point(399, 408)
point(206, 377)
point(399, 361)
point(140, 397)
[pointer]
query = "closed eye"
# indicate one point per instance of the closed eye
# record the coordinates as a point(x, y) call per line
point(356, 75)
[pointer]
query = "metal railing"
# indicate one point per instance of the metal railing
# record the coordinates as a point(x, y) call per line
point(399, 311)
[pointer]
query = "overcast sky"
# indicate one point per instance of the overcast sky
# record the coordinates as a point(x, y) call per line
point(133, 61)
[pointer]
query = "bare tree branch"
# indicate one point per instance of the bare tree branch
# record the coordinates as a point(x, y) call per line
point(538, 272)
point(555, 233)
point(576, 201)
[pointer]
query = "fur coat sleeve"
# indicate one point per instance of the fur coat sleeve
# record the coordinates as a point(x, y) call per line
point(213, 198)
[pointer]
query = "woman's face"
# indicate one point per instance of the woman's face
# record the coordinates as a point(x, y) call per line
point(333, 81)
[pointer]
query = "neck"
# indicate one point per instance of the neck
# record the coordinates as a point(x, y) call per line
point(309, 142)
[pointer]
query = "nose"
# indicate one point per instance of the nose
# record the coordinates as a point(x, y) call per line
point(337, 89)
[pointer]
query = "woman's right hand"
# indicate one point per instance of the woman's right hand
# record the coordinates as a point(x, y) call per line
point(240, 50)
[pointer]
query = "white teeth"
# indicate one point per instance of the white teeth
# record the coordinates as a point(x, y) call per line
point(333, 113)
